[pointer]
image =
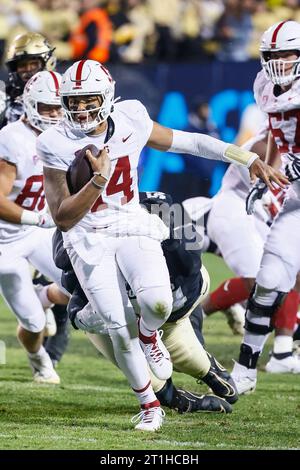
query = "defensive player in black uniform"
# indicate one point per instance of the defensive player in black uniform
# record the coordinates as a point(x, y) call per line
point(189, 282)
point(28, 54)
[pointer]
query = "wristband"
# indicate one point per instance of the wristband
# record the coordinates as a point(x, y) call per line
point(239, 155)
point(97, 173)
point(96, 185)
point(29, 218)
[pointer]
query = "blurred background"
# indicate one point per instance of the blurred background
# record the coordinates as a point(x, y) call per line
point(191, 62)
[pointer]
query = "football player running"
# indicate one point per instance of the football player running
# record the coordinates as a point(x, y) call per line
point(182, 333)
point(276, 90)
point(24, 221)
point(110, 239)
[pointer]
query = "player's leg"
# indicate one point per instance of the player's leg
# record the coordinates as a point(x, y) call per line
point(17, 289)
point(56, 315)
point(196, 319)
point(104, 287)
point(241, 245)
point(276, 277)
point(189, 357)
point(166, 392)
point(144, 267)
point(284, 321)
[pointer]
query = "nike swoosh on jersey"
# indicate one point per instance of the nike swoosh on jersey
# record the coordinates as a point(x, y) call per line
point(226, 285)
point(126, 138)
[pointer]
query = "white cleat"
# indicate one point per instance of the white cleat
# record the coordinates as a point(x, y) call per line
point(50, 327)
point(245, 379)
point(149, 420)
point(158, 358)
point(236, 318)
point(43, 370)
point(288, 365)
point(46, 376)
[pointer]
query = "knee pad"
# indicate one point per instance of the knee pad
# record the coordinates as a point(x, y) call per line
point(258, 315)
point(156, 301)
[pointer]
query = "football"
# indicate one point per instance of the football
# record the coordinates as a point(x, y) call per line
point(80, 171)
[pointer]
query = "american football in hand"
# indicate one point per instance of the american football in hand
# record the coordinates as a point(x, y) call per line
point(80, 171)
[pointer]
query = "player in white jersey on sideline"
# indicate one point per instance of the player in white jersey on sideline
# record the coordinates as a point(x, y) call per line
point(25, 235)
point(277, 93)
point(109, 238)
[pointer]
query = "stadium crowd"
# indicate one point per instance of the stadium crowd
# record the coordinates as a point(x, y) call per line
point(132, 31)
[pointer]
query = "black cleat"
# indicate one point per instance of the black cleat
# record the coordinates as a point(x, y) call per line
point(192, 403)
point(220, 381)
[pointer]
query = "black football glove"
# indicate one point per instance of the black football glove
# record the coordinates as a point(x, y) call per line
point(257, 191)
point(292, 169)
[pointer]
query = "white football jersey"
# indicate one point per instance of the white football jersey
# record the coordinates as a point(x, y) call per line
point(18, 146)
point(117, 211)
point(283, 112)
point(284, 119)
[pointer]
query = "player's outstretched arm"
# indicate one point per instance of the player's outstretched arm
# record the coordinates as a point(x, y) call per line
point(201, 145)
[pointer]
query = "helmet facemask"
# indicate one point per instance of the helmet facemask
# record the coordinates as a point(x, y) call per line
point(87, 80)
point(42, 89)
point(276, 69)
point(98, 114)
point(37, 120)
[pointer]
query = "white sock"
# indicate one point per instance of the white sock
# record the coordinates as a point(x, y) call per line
point(282, 344)
point(130, 359)
point(39, 354)
point(256, 342)
point(144, 330)
point(146, 394)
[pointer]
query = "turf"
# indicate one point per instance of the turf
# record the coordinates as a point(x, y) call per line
point(93, 406)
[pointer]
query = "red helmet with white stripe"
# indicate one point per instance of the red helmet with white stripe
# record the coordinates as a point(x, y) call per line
point(283, 36)
point(88, 78)
point(43, 87)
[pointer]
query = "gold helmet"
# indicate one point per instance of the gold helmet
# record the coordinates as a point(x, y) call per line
point(30, 45)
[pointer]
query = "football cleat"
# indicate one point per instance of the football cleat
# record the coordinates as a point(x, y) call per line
point(149, 419)
point(157, 356)
point(190, 403)
point(43, 371)
point(288, 365)
point(245, 379)
point(46, 376)
point(236, 319)
point(220, 381)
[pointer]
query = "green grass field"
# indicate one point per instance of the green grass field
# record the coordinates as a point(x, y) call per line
point(93, 406)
